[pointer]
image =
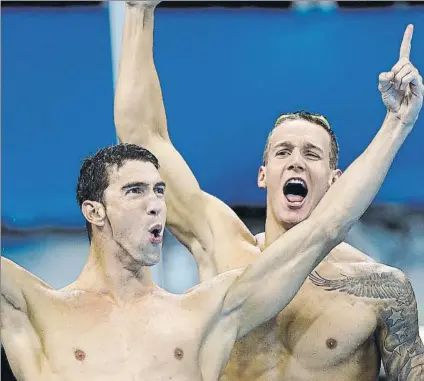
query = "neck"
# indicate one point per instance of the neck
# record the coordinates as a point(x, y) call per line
point(273, 228)
point(110, 270)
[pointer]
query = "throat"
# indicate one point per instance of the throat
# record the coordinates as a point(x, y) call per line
point(104, 274)
point(273, 228)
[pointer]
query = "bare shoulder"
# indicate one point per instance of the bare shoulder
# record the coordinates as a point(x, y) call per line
point(349, 254)
point(391, 279)
point(364, 278)
point(209, 295)
point(217, 284)
point(356, 263)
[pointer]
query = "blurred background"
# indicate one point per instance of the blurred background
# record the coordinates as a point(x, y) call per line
point(227, 70)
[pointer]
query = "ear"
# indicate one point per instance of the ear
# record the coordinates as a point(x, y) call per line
point(94, 212)
point(336, 173)
point(262, 177)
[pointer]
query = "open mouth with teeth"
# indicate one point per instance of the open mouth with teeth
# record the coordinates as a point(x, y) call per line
point(295, 190)
point(156, 234)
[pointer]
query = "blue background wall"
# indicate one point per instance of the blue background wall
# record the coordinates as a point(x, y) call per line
point(226, 75)
point(57, 103)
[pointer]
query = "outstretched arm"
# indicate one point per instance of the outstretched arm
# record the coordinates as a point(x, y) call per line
point(205, 225)
point(269, 284)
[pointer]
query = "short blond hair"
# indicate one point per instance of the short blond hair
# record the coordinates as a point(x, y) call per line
point(317, 119)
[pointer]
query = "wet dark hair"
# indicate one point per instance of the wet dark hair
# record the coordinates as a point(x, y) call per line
point(317, 119)
point(93, 177)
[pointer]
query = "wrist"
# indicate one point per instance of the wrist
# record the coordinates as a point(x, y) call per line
point(396, 122)
point(150, 5)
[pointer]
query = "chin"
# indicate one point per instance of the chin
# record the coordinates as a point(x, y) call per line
point(151, 262)
point(146, 254)
point(152, 257)
point(291, 218)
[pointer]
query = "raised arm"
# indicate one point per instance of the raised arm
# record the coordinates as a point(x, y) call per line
point(205, 225)
point(18, 335)
point(269, 284)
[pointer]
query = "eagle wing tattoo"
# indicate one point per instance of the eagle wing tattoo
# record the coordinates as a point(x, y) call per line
point(373, 285)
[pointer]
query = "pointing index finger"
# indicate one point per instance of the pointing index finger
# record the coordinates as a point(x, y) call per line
point(405, 47)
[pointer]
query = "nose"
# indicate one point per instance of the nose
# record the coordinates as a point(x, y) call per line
point(154, 207)
point(296, 163)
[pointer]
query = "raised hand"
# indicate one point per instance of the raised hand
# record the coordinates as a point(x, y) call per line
point(402, 88)
point(143, 3)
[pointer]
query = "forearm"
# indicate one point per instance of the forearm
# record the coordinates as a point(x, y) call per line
point(139, 109)
point(350, 196)
point(266, 286)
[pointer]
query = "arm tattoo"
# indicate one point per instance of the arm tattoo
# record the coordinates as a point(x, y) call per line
point(401, 347)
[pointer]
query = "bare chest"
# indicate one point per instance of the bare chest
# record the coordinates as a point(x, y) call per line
point(318, 333)
point(325, 328)
point(99, 343)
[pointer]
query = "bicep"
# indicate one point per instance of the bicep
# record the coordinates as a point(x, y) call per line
point(401, 348)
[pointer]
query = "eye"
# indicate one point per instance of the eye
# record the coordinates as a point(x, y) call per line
point(135, 190)
point(312, 155)
point(160, 190)
point(283, 152)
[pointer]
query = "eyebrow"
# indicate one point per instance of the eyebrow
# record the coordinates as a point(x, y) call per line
point(135, 184)
point(284, 144)
point(307, 145)
point(160, 184)
point(142, 184)
point(313, 146)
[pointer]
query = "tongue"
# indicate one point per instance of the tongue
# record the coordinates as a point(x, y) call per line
point(294, 198)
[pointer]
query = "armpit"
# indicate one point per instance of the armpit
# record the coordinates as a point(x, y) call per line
point(12, 302)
